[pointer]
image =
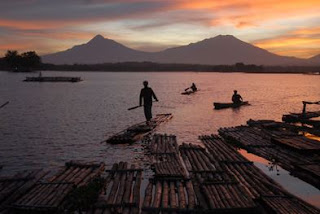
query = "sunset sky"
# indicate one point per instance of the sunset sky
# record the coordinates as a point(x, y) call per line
point(285, 27)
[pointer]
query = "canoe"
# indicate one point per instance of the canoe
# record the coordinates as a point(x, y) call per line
point(188, 92)
point(229, 105)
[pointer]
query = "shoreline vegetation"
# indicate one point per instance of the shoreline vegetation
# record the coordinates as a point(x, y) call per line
point(30, 61)
point(169, 67)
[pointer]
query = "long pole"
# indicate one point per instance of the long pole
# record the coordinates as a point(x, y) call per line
point(3, 105)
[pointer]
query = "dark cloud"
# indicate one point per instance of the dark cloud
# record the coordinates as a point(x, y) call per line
point(76, 10)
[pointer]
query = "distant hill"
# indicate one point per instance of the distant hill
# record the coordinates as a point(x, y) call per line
point(97, 50)
point(222, 49)
point(315, 59)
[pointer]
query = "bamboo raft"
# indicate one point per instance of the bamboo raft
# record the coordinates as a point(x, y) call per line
point(169, 196)
point(299, 143)
point(197, 160)
point(257, 185)
point(121, 192)
point(224, 197)
point(284, 205)
point(49, 196)
point(291, 151)
point(13, 187)
point(138, 131)
point(163, 144)
point(246, 136)
point(221, 151)
point(304, 118)
point(274, 125)
point(171, 168)
point(165, 158)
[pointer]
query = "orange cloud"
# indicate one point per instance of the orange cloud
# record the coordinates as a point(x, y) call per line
point(248, 13)
point(303, 43)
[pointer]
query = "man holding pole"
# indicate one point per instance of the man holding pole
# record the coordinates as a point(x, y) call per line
point(146, 94)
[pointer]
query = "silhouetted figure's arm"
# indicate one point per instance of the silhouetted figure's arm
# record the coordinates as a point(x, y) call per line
point(240, 98)
point(141, 96)
point(154, 96)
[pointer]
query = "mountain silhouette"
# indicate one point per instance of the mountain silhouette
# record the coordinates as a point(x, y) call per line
point(97, 50)
point(222, 49)
point(315, 59)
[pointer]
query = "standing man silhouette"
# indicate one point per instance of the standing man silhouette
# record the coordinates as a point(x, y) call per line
point(146, 94)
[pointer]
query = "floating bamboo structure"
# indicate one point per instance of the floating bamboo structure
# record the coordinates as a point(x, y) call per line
point(197, 160)
point(255, 183)
point(121, 192)
point(49, 196)
point(13, 187)
point(284, 205)
point(221, 151)
point(165, 158)
point(138, 131)
point(163, 144)
point(170, 196)
point(298, 143)
point(225, 197)
point(303, 118)
point(293, 152)
point(172, 168)
point(281, 127)
point(53, 79)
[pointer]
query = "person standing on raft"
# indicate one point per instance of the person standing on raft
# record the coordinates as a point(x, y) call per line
point(236, 98)
point(146, 94)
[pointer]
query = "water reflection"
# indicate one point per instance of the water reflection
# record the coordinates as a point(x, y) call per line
point(283, 177)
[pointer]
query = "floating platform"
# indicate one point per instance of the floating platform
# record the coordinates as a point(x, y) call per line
point(53, 79)
point(53, 195)
point(216, 179)
point(281, 146)
point(165, 157)
point(121, 191)
point(13, 187)
point(220, 180)
point(303, 118)
point(138, 131)
point(229, 105)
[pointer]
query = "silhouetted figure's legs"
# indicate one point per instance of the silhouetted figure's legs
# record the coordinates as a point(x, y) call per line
point(148, 112)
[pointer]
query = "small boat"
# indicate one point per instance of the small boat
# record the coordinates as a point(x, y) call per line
point(229, 105)
point(138, 131)
point(188, 92)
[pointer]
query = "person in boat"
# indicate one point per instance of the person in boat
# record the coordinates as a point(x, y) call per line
point(146, 95)
point(193, 87)
point(236, 98)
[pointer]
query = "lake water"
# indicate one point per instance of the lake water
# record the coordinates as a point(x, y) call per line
point(47, 124)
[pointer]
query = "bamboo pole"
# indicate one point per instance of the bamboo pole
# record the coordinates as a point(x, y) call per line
point(157, 196)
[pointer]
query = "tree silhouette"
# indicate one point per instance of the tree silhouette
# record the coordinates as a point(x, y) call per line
point(26, 61)
point(12, 58)
point(30, 60)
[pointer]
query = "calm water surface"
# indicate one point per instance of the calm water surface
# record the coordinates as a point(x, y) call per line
point(47, 124)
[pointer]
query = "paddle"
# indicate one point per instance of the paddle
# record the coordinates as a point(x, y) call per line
point(129, 109)
point(3, 105)
point(186, 89)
